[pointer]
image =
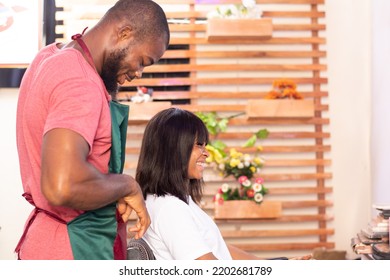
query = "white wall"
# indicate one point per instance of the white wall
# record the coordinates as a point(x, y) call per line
point(349, 68)
point(380, 148)
point(349, 72)
point(13, 208)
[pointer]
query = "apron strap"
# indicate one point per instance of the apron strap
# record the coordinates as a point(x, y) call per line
point(36, 210)
point(77, 38)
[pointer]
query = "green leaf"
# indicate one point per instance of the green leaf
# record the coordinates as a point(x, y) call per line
point(212, 129)
point(222, 124)
point(262, 134)
point(250, 142)
point(219, 145)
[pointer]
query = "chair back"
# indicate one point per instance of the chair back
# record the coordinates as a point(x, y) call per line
point(138, 249)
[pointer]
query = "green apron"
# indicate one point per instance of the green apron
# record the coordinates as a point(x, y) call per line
point(101, 234)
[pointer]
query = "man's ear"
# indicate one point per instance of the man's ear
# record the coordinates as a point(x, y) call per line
point(125, 33)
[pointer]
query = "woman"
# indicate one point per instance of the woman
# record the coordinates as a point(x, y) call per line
point(170, 170)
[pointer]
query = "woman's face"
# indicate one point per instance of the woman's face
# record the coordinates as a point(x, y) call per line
point(197, 161)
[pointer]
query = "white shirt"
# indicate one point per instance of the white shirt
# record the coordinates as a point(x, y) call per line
point(180, 231)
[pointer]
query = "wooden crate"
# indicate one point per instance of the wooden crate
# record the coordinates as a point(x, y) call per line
point(244, 29)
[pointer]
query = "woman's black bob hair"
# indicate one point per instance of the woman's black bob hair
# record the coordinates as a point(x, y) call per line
point(165, 153)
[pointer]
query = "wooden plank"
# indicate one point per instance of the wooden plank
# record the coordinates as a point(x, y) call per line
point(271, 135)
point(178, 81)
point(169, 68)
point(306, 204)
point(273, 41)
point(235, 108)
point(315, 121)
point(288, 1)
point(288, 121)
point(265, 31)
point(296, 162)
point(299, 27)
point(284, 246)
point(275, 177)
point(266, 149)
point(157, 95)
point(274, 191)
point(290, 163)
point(299, 190)
point(187, 27)
point(185, 14)
point(12, 66)
point(284, 149)
point(242, 54)
point(282, 219)
point(293, 14)
point(297, 135)
point(224, 2)
point(274, 233)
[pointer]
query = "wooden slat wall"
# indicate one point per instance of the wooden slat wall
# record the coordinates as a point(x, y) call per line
point(222, 77)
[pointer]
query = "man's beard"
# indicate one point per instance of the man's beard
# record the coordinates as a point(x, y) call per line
point(110, 70)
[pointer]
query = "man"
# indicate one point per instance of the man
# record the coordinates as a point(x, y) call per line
point(64, 136)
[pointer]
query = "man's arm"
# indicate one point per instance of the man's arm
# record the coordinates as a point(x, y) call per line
point(69, 180)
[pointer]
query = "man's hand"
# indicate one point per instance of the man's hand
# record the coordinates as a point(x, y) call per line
point(124, 209)
point(135, 202)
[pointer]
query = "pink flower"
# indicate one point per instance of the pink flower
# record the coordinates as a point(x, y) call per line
point(242, 179)
point(259, 180)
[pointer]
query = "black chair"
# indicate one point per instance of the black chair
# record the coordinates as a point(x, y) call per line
point(138, 249)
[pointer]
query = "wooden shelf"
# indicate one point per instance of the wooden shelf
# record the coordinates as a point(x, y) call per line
point(246, 209)
point(243, 29)
point(145, 111)
point(280, 108)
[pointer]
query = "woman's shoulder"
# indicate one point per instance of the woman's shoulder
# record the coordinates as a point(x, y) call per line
point(164, 199)
point(166, 203)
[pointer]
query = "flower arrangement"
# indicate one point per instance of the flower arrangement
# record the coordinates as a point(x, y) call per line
point(284, 88)
point(243, 167)
point(247, 9)
point(216, 124)
point(247, 190)
point(238, 165)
